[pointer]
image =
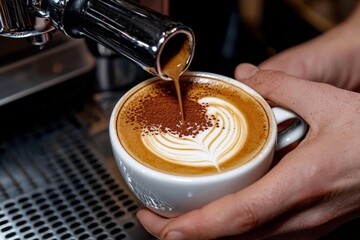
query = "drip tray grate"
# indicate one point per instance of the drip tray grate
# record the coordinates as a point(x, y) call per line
point(53, 185)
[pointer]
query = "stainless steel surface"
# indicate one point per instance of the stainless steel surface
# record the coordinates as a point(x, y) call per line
point(126, 27)
point(58, 179)
point(44, 70)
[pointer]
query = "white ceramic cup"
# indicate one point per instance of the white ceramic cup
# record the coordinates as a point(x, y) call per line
point(172, 195)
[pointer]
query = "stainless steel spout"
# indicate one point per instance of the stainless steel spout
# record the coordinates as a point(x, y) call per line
point(124, 26)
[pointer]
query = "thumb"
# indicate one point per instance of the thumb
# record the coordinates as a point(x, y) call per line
point(301, 96)
point(244, 71)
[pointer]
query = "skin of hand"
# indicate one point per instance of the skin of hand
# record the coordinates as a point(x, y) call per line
point(333, 57)
point(312, 190)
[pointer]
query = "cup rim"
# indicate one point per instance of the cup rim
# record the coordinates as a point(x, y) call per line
point(145, 170)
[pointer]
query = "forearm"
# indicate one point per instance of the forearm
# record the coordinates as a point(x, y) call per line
point(333, 57)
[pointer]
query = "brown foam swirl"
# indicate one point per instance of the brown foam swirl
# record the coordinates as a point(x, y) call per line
point(210, 147)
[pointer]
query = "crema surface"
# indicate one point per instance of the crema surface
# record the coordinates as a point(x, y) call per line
point(224, 126)
point(210, 147)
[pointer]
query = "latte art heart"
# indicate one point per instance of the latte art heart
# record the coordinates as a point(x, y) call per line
point(210, 147)
point(224, 127)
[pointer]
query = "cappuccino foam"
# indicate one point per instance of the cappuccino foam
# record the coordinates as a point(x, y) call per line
point(224, 126)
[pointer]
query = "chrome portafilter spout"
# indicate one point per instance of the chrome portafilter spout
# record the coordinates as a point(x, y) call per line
point(139, 33)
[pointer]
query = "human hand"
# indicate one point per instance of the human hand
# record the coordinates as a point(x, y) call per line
point(311, 191)
point(333, 57)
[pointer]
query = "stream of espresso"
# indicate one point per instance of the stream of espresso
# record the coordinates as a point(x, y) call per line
point(174, 67)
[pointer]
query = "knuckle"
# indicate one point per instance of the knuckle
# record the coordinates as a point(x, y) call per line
point(248, 217)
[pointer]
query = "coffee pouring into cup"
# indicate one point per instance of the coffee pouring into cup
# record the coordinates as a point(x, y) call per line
point(170, 171)
point(226, 143)
point(125, 27)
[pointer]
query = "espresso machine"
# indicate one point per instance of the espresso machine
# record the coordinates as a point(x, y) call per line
point(63, 66)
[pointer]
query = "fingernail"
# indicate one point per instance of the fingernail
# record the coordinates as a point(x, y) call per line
point(245, 70)
point(174, 236)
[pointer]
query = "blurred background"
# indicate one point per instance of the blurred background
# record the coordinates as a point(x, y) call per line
point(251, 31)
point(58, 179)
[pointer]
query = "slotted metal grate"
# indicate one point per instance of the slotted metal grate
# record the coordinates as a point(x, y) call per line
point(53, 185)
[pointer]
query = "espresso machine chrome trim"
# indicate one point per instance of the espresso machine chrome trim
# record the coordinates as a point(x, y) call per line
point(124, 26)
point(17, 21)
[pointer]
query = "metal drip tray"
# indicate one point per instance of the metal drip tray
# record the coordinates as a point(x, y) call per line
point(55, 185)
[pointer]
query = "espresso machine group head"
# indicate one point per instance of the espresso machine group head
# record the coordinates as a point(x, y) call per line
point(124, 26)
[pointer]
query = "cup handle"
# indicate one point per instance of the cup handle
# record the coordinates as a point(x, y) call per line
point(292, 133)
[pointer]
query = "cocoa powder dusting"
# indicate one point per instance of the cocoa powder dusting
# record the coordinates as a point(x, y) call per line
point(161, 113)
